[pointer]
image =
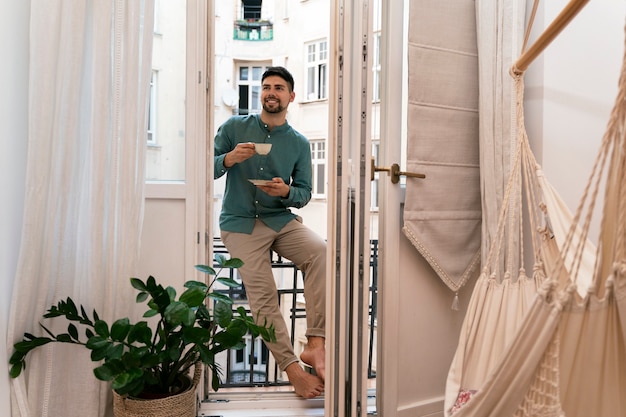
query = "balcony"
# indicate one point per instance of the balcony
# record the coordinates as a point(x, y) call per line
point(254, 366)
point(253, 30)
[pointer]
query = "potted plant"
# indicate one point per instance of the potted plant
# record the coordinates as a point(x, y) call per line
point(144, 360)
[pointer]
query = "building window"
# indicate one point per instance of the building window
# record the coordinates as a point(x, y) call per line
point(250, 25)
point(152, 109)
point(249, 85)
point(251, 10)
point(316, 69)
point(253, 357)
point(318, 160)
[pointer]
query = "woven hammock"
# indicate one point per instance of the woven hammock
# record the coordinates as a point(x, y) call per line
point(552, 344)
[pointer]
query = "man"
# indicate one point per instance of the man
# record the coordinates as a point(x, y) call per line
point(256, 218)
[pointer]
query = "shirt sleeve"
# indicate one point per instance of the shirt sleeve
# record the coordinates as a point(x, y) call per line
point(222, 145)
point(301, 180)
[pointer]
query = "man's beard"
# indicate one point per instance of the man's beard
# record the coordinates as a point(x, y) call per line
point(277, 109)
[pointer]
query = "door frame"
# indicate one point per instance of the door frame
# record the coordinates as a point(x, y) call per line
point(348, 225)
point(393, 119)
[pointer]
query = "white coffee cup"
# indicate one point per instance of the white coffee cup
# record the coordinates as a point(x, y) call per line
point(262, 148)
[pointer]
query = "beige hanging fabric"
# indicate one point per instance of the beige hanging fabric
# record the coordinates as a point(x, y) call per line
point(442, 213)
point(568, 356)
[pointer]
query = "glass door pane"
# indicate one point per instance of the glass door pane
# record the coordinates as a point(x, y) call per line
point(165, 157)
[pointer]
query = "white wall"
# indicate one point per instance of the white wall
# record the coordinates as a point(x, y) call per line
point(570, 91)
point(13, 139)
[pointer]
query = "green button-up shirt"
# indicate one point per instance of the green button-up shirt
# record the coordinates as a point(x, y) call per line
point(289, 158)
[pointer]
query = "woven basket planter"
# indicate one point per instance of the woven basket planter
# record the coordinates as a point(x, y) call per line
point(179, 405)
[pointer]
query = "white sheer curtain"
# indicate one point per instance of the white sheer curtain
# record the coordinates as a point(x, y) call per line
point(500, 28)
point(90, 68)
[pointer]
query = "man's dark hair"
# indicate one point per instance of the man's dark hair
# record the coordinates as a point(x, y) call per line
point(280, 72)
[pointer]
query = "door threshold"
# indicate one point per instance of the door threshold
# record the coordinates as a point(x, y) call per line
point(269, 405)
point(273, 405)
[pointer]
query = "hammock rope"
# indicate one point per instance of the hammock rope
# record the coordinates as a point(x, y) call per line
point(566, 356)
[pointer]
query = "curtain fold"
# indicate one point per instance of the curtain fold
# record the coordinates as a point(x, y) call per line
point(499, 30)
point(90, 68)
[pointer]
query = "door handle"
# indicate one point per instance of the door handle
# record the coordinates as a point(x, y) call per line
point(394, 172)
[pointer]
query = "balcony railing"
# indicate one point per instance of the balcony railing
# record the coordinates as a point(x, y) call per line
point(253, 30)
point(254, 366)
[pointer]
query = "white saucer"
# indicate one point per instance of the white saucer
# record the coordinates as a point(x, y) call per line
point(260, 182)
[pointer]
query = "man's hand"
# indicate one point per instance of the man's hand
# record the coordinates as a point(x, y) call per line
point(241, 152)
point(276, 188)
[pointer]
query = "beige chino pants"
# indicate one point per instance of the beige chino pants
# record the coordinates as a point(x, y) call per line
point(307, 250)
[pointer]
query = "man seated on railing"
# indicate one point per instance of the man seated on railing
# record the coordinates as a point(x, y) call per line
point(256, 218)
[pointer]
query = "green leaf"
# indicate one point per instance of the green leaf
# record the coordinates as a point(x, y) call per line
point(190, 319)
point(17, 357)
point(215, 381)
point(206, 355)
point(140, 332)
point(115, 351)
point(237, 328)
point(203, 312)
point(160, 299)
point(83, 313)
point(174, 353)
point(196, 335)
point(220, 297)
point(136, 386)
point(229, 282)
point(99, 354)
point(206, 269)
point(196, 284)
point(171, 292)
point(193, 297)
point(97, 342)
point(220, 259)
point(101, 328)
point(141, 297)
point(151, 284)
point(138, 284)
point(27, 346)
point(16, 369)
point(120, 329)
point(71, 307)
point(64, 337)
point(105, 372)
point(223, 313)
point(121, 380)
point(150, 313)
point(177, 313)
point(232, 263)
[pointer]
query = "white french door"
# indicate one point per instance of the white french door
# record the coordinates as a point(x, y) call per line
point(173, 237)
point(349, 209)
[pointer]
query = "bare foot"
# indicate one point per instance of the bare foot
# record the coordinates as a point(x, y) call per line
point(314, 355)
point(305, 384)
